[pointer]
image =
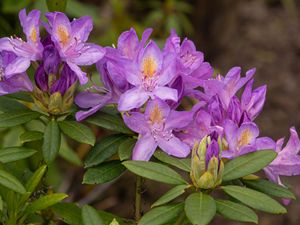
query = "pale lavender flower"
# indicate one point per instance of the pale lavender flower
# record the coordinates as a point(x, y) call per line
point(155, 128)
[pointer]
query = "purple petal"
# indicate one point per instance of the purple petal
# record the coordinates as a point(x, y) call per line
point(168, 71)
point(178, 119)
point(88, 99)
point(19, 65)
point(144, 148)
point(157, 109)
point(133, 98)
point(247, 134)
point(81, 28)
point(174, 146)
point(136, 121)
point(18, 82)
point(79, 73)
point(166, 93)
point(265, 143)
point(293, 145)
point(128, 43)
point(30, 24)
point(89, 55)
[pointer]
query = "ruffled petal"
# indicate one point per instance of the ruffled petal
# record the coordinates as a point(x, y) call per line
point(81, 28)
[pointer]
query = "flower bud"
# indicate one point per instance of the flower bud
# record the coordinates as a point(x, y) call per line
point(207, 167)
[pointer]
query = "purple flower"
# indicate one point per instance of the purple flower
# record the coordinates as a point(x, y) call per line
point(149, 74)
point(240, 139)
point(14, 82)
point(25, 51)
point(287, 162)
point(70, 40)
point(155, 128)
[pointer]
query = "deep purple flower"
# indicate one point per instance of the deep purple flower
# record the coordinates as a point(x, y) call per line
point(240, 139)
point(155, 128)
point(70, 40)
point(149, 74)
point(14, 82)
point(25, 51)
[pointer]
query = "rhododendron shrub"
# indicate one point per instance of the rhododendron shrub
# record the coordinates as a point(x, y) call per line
point(210, 151)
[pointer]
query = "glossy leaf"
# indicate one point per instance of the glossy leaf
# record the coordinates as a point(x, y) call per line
point(12, 154)
point(15, 118)
point(270, 188)
point(161, 215)
point(200, 208)
point(11, 182)
point(109, 122)
point(78, 132)
point(29, 136)
point(254, 199)
point(154, 171)
point(103, 173)
point(45, 202)
point(184, 164)
point(51, 143)
point(103, 150)
point(90, 216)
point(236, 211)
point(125, 149)
point(247, 164)
point(170, 195)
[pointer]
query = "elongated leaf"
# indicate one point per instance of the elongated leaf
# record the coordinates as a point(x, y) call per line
point(270, 188)
point(35, 179)
point(9, 181)
point(103, 173)
point(69, 154)
point(200, 208)
point(15, 153)
point(29, 136)
point(15, 118)
point(45, 202)
point(254, 199)
point(125, 149)
point(103, 150)
point(78, 132)
point(51, 141)
point(154, 171)
point(170, 195)
point(9, 104)
point(110, 122)
point(247, 164)
point(90, 216)
point(236, 211)
point(184, 164)
point(161, 215)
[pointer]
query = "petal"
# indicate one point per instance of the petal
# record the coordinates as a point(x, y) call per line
point(88, 99)
point(81, 28)
point(178, 119)
point(19, 82)
point(6, 45)
point(166, 93)
point(133, 98)
point(61, 30)
point(83, 79)
point(30, 24)
point(132, 73)
point(168, 71)
point(19, 65)
point(128, 43)
point(286, 166)
point(136, 121)
point(157, 109)
point(174, 146)
point(265, 143)
point(247, 134)
point(230, 129)
point(145, 36)
point(144, 148)
point(293, 145)
point(89, 55)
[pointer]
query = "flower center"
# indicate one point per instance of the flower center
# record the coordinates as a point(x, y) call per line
point(149, 67)
point(33, 35)
point(156, 116)
point(63, 35)
point(245, 138)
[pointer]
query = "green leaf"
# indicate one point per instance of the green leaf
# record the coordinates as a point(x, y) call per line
point(69, 212)
point(236, 211)
point(90, 216)
point(9, 181)
point(170, 195)
point(51, 141)
point(69, 154)
point(15, 118)
point(12, 154)
point(161, 215)
point(154, 171)
point(247, 164)
point(184, 164)
point(125, 149)
point(109, 122)
point(103, 150)
point(254, 199)
point(103, 173)
point(114, 222)
point(29, 136)
point(44, 202)
point(8, 104)
point(270, 188)
point(78, 132)
point(200, 208)
point(57, 5)
point(35, 179)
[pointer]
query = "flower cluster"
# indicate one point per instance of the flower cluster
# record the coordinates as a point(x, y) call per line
point(148, 84)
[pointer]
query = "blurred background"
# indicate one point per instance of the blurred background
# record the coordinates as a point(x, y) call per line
point(251, 33)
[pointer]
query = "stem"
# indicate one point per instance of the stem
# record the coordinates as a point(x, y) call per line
point(138, 198)
point(180, 219)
